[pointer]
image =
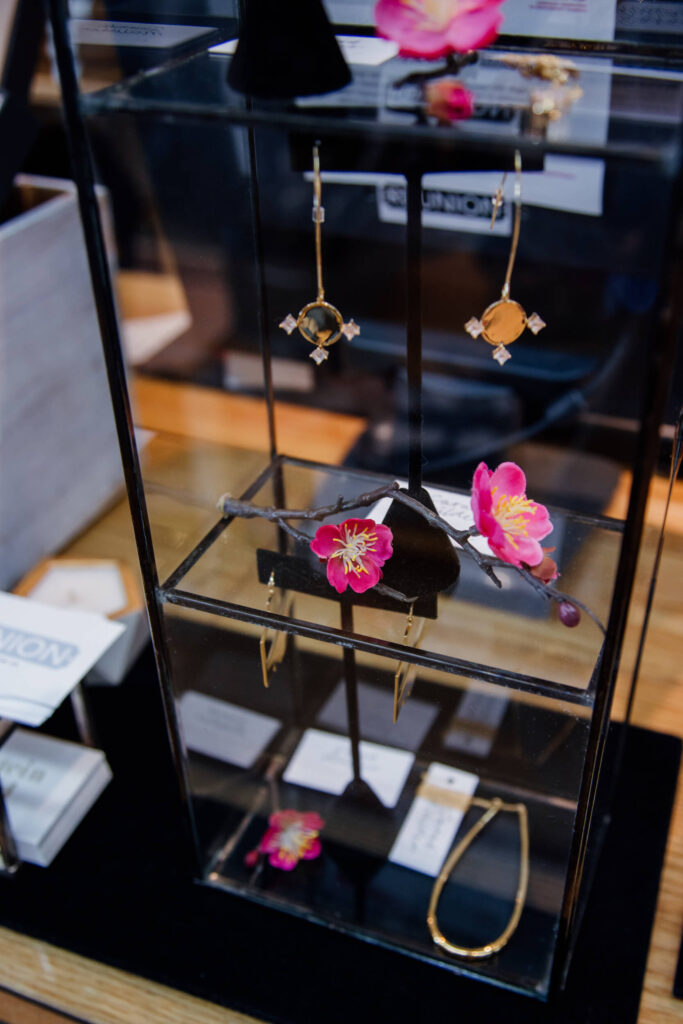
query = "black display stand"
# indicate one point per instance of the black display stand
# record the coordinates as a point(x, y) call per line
point(120, 892)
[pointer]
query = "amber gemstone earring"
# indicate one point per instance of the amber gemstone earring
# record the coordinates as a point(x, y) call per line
point(503, 321)
point(319, 322)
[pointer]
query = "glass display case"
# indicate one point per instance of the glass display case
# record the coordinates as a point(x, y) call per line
point(414, 763)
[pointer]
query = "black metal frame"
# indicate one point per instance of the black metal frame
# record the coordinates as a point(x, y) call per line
point(602, 685)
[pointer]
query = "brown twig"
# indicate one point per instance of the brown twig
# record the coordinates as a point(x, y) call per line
point(236, 507)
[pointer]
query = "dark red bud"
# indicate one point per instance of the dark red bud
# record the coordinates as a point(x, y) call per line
point(569, 614)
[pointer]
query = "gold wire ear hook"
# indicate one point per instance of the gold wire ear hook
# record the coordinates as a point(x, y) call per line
point(492, 807)
point(404, 676)
point(516, 226)
point(270, 659)
point(318, 218)
point(497, 199)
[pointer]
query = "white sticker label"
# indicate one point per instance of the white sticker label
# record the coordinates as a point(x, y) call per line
point(132, 33)
point(224, 731)
point(429, 828)
point(323, 761)
point(44, 653)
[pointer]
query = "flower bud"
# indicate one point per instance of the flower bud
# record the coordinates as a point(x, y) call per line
point(569, 614)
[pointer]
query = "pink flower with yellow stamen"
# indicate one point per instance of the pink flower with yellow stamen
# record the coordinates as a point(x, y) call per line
point(433, 28)
point(512, 524)
point(354, 551)
point(291, 836)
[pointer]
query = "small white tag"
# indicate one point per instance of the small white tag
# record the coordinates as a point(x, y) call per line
point(44, 653)
point(367, 49)
point(224, 731)
point(456, 509)
point(132, 33)
point(323, 761)
point(228, 47)
point(429, 828)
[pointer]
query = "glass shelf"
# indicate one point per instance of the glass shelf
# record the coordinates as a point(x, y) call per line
point(509, 636)
point(627, 111)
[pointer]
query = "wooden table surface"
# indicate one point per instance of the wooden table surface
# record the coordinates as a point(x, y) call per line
point(35, 975)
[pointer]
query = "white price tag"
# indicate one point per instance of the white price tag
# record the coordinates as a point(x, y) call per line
point(224, 731)
point(429, 829)
point(323, 761)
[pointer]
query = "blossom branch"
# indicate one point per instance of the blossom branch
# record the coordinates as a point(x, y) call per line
point(238, 508)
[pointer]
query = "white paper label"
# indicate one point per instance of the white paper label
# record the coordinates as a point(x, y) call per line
point(132, 33)
point(367, 49)
point(44, 653)
point(454, 508)
point(323, 761)
point(429, 828)
point(224, 731)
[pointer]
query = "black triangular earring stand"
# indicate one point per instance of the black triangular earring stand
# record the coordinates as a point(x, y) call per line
point(286, 50)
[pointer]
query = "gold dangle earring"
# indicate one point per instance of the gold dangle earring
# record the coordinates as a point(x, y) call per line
point(404, 677)
point(503, 321)
point(273, 642)
point(319, 322)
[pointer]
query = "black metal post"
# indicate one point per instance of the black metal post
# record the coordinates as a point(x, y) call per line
point(82, 168)
point(414, 327)
point(351, 687)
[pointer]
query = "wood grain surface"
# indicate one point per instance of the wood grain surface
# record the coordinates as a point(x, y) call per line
point(92, 992)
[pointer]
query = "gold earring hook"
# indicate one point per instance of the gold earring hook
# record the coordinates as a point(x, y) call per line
point(516, 226)
point(318, 218)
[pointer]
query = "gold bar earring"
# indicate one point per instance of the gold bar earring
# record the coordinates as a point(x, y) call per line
point(319, 322)
point(491, 809)
point(272, 648)
point(404, 677)
point(503, 321)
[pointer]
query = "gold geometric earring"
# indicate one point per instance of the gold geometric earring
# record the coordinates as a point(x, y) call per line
point(405, 673)
point(272, 655)
point(503, 321)
point(319, 322)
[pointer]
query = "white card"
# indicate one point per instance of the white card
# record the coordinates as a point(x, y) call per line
point(367, 49)
point(94, 32)
point(44, 653)
point(224, 731)
point(323, 761)
point(429, 828)
point(228, 47)
point(455, 508)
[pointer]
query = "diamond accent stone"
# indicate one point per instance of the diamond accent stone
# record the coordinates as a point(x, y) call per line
point(288, 324)
point(319, 355)
point(534, 323)
point(318, 214)
point(351, 329)
point(474, 327)
point(501, 355)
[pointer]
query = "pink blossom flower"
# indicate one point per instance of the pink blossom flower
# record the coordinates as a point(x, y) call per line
point(512, 524)
point(448, 100)
point(354, 550)
point(433, 28)
point(291, 836)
